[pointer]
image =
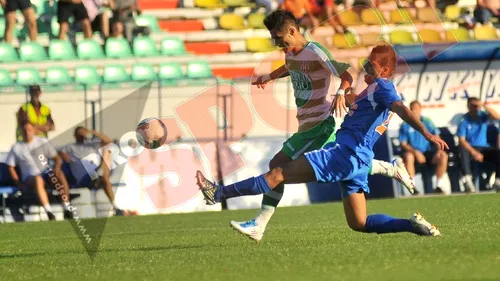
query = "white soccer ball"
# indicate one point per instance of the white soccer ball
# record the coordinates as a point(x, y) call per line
point(151, 133)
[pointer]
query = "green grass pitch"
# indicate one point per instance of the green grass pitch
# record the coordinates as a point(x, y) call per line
point(301, 243)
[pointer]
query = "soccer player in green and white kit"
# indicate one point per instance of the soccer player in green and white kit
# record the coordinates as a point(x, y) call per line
point(310, 66)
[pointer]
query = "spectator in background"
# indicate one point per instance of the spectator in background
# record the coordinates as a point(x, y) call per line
point(79, 155)
point(25, 155)
point(72, 8)
point(327, 9)
point(417, 150)
point(487, 9)
point(99, 15)
point(123, 21)
point(472, 134)
point(302, 11)
point(35, 112)
point(10, 7)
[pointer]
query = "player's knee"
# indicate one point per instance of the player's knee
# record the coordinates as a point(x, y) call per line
point(275, 176)
point(357, 224)
point(409, 158)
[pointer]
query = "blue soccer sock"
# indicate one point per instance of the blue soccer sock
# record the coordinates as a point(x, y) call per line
point(250, 186)
point(381, 223)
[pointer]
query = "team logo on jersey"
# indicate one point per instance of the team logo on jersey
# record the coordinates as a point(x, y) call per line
point(304, 66)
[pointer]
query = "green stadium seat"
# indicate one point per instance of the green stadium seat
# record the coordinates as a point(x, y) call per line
point(238, 3)
point(32, 51)
point(118, 48)
point(57, 75)
point(172, 46)
point(8, 53)
point(143, 72)
point(256, 20)
point(144, 47)
point(28, 76)
point(87, 75)
point(170, 73)
point(42, 7)
point(199, 70)
point(89, 49)
point(115, 74)
point(61, 50)
point(149, 21)
point(5, 78)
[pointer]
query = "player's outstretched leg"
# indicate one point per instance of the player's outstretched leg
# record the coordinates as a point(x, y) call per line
point(395, 169)
point(357, 219)
point(296, 171)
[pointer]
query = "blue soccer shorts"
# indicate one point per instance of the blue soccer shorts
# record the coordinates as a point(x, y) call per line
point(335, 163)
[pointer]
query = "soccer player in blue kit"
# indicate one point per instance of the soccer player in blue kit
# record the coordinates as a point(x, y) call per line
point(347, 160)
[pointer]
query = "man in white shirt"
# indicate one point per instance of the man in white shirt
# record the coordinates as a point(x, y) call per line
point(31, 155)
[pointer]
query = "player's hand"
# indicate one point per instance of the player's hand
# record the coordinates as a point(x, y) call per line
point(438, 142)
point(261, 82)
point(419, 156)
point(338, 106)
point(478, 156)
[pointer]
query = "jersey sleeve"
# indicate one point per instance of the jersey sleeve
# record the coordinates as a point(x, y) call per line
point(48, 149)
point(461, 131)
point(11, 158)
point(385, 94)
point(431, 127)
point(328, 62)
point(403, 133)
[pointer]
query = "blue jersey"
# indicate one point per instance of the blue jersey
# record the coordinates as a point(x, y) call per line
point(367, 119)
point(416, 139)
point(474, 130)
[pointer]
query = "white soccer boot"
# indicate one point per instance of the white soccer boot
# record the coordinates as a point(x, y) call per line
point(424, 227)
point(249, 228)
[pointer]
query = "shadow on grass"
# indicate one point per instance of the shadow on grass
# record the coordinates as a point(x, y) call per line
point(145, 249)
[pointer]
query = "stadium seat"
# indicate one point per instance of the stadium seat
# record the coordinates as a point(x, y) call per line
point(144, 47)
point(430, 36)
point(460, 34)
point(170, 72)
point(8, 53)
point(61, 50)
point(5, 78)
point(345, 41)
point(89, 49)
point(231, 22)
point(199, 70)
point(372, 17)
point(210, 4)
point(115, 74)
point(401, 16)
point(371, 39)
point(87, 75)
point(428, 14)
point(172, 46)
point(238, 3)
point(32, 51)
point(2, 28)
point(349, 17)
point(452, 12)
point(143, 72)
point(57, 75)
point(28, 76)
point(118, 48)
point(149, 21)
point(485, 33)
point(260, 45)
point(54, 25)
point(401, 37)
point(256, 20)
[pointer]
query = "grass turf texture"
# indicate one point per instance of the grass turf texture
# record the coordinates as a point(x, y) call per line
point(301, 243)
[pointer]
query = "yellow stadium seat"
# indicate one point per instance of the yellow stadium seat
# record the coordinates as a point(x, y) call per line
point(256, 20)
point(485, 33)
point(460, 34)
point(430, 36)
point(452, 12)
point(401, 37)
point(371, 16)
point(401, 16)
point(349, 17)
point(231, 22)
point(210, 4)
point(429, 14)
point(371, 39)
point(257, 45)
point(345, 41)
point(277, 64)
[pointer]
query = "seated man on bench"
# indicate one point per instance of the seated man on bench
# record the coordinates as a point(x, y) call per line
point(82, 150)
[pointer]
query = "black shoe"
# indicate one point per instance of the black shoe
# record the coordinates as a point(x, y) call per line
point(51, 216)
point(119, 212)
point(68, 215)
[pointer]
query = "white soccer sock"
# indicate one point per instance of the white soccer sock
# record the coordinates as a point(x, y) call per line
point(65, 206)
point(47, 208)
point(265, 214)
point(382, 168)
point(439, 181)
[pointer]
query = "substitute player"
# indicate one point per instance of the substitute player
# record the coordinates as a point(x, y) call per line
point(348, 159)
point(311, 68)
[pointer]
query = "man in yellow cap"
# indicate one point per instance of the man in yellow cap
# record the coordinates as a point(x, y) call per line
point(36, 113)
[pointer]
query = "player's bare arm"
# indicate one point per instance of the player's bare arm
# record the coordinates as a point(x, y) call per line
point(339, 104)
point(261, 81)
point(478, 156)
point(405, 113)
point(492, 112)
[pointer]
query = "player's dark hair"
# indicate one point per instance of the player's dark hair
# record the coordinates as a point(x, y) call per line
point(279, 19)
point(415, 102)
point(78, 128)
point(471, 99)
point(386, 56)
